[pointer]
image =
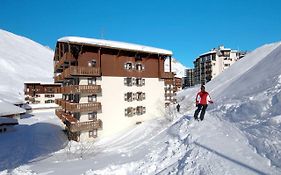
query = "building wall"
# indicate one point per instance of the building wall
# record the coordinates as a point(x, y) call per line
point(114, 105)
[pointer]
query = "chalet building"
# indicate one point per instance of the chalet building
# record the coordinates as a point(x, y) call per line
point(37, 93)
point(211, 64)
point(108, 86)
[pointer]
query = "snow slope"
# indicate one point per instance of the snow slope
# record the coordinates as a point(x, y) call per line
point(21, 60)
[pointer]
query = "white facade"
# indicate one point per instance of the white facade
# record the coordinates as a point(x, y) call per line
point(114, 104)
point(45, 98)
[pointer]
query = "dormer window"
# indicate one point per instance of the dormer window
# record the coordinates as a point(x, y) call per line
point(129, 66)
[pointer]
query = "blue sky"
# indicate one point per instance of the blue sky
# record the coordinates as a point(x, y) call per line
point(188, 27)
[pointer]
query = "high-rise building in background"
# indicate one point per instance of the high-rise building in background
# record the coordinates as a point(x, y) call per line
point(210, 64)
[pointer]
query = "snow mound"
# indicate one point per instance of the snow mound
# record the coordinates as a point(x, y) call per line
point(21, 60)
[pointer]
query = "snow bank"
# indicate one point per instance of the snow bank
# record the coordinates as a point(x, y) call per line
point(21, 60)
point(9, 109)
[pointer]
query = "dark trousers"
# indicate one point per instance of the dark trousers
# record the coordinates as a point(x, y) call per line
point(201, 108)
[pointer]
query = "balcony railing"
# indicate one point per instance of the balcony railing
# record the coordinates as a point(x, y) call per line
point(81, 107)
point(85, 126)
point(74, 125)
point(58, 101)
point(167, 75)
point(84, 89)
point(59, 113)
point(77, 71)
point(67, 56)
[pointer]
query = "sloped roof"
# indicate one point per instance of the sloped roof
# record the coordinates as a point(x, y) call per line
point(9, 109)
point(115, 44)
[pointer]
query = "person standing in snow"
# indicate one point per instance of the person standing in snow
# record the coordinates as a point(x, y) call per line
point(178, 107)
point(202, 100)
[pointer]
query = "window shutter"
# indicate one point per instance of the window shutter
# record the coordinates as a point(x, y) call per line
point(125, 66)
point(134, 96)
point(144, 110)
point(143, 82)
point(126, 112)
point(125, 81)
point(143, 96)
point(125, 97)
point(142, 67)
point(133, 81)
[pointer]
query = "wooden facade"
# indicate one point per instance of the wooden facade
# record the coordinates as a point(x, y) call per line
point(36, 93)
point(76, 63)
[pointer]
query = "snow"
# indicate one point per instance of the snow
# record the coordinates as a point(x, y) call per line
point(115, 44)
point(177, 67)
point(21, 60)
point(240, 133)
point(9, 109)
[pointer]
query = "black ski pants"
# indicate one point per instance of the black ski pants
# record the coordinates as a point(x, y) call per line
point(201, 108)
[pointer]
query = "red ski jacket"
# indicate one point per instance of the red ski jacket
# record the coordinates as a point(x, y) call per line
point(203, 98)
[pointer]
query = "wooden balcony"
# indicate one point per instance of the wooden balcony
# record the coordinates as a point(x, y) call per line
point(58, 101)
point(59, 113)
point(81, 107)
point(77, 71)
point(167, 75)
point(81, 71)
point(66, 57)
point(85, 126)
point(83, 89)
point(74, 125)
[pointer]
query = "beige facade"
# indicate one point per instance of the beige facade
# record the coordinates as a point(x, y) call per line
point(209, 65)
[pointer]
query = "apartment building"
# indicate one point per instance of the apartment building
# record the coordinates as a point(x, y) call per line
point(188, 80)
point(210, 64)
point(40, 93)
point(109, 86)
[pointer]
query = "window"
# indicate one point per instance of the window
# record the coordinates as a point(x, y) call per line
point(140, 81)
point(128, 81)
point(140, 96)
point(92, 116)
point(92, 98)
point(37, 95)
point(140, 110)
point(49, 95)
point(49, 101)
point(92, 63)
point(129, 96)
point(91, 81)
point(130, 111)
point(139, 67)
point(129, 66)
point(93, 133)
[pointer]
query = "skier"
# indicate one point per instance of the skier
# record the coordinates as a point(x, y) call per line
point(202, 100)
point(178, 107)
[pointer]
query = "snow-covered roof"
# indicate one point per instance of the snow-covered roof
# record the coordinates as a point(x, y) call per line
point(9, 109)
point(7, 120)
point(115, 44)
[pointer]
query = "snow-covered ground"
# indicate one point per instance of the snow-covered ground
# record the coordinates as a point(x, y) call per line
point(177, 67)
point(241, 133)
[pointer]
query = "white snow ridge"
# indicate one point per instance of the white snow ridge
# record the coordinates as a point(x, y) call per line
point(240, 134)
